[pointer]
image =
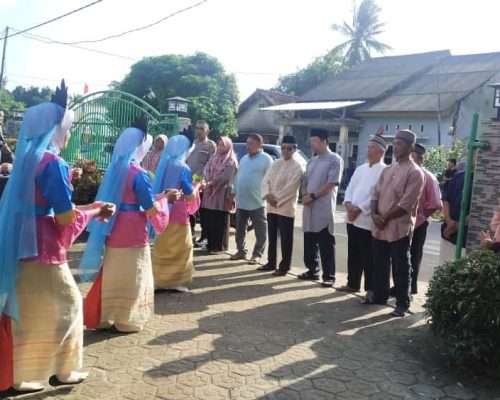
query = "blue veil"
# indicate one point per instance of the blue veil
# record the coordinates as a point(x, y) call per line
point(111, 190)
point(172, 163)
point(169, 170)
point(17, 207)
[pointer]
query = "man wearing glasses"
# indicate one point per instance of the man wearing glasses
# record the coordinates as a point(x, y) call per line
point(280, 189)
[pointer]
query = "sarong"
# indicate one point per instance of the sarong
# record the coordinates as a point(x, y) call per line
point(173, 257)
point(127, 289)
point(48, 338)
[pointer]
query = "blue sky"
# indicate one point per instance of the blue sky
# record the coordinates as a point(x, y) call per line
point(256, 39)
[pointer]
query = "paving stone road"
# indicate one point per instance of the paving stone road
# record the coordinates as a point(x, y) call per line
point(241, 334)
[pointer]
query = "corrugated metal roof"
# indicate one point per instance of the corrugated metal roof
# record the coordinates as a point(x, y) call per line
point(271, 96)
point(451, 80)
point(322, 105)
point(415, 103)
point(373, 78)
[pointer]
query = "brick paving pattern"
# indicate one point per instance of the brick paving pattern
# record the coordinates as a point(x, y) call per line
point(241, 334)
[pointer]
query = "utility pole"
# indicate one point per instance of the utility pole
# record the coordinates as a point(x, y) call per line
point(439, 102)
point(2, 68)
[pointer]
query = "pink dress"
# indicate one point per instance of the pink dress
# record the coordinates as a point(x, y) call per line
point(48, 337)
point(54, 240)
point(173, 252)
point(495, 225)
point(123, 293)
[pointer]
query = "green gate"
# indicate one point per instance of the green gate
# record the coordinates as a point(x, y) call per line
point(99, 119)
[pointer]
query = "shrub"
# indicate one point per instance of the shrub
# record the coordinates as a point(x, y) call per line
point(436, 158)
point(464, 308)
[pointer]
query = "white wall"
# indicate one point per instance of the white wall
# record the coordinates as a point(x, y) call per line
point(481, 101)
point(426, 129)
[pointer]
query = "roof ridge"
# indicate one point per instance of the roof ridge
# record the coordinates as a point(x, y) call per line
point(490, 53)
point(413, 54)
point(273, 91)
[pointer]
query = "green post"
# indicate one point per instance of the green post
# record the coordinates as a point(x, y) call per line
point(472, 146)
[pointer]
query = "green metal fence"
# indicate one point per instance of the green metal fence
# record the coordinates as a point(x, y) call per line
point(99, 119)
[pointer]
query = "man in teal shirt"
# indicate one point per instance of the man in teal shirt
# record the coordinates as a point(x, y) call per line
point(249, 202)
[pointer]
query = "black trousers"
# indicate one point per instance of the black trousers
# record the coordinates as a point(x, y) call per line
point(398, 254)
point(202, 216)
point(417, 253)
point(216, 229)
point(316, 245)
point(359, 257)
point(282, 226)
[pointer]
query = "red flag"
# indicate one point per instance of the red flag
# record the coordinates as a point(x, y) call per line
point(85, 88)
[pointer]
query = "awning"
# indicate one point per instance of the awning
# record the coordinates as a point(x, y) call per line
point(321, 105)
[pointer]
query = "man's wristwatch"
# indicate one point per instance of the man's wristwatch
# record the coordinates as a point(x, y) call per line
point(313, 196)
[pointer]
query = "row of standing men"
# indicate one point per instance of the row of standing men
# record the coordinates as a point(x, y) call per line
point(388, 211)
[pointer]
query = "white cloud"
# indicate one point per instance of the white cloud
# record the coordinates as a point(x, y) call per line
point(7, 3)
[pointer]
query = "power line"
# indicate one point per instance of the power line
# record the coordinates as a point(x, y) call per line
point(46, 40)
point(140, 28)
point(30, 78)
point(52, 20)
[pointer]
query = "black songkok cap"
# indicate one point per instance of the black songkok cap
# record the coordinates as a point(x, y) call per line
point(289, 139)
point(321, 133)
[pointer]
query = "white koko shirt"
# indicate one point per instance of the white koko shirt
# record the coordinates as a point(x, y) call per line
point(359, 191)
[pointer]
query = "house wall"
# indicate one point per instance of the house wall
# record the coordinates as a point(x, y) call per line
point(301, 135)
point(424, 127)
point(481, 101)
point(255, 120)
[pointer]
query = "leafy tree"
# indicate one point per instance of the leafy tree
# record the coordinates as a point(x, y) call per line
point(31, 96)
point(318, 71)
point(8, 104)
point(199, 78)
point(361, 34)
point(436, 158)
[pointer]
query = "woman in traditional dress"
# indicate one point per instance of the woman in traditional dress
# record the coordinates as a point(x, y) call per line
point(173, 249)
point(487, 240)
point(41, 327)
point(150, 162)
point(123, 293)
point(219, 174)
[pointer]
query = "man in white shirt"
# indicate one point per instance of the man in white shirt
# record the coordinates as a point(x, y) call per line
point(357, 201)
point(280, 189)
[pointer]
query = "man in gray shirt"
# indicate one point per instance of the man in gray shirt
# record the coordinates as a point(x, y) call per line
point(203, 149)
point(320, 184)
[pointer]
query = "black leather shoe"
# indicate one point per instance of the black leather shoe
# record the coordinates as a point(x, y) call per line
point(327, 283)
point(266, 268)
point(307, 276)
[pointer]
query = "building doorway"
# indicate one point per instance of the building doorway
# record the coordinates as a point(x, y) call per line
point(388, 155)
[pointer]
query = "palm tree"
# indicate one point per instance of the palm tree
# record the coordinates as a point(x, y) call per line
point(361, 35)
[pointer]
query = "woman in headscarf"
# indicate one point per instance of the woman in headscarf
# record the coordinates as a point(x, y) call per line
point(150, 162)
point(41, 325)
point(173, 249)
point(123, 293)
point(219, 173)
